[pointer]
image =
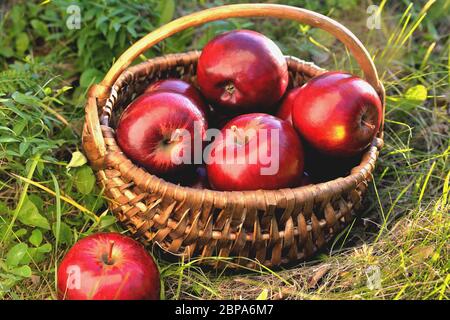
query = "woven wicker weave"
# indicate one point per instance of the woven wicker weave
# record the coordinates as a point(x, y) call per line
point(271, 226)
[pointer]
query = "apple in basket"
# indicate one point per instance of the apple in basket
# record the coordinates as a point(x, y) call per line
point(242, 71)
point(338, 114)
point(285, 110)
point(255, 151)
point(160, 131)
point(181, 87)
point(108, 266)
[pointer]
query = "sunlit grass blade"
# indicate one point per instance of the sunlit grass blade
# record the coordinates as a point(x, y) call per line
point(72, 202)
point(57, 223)
point(425, 183)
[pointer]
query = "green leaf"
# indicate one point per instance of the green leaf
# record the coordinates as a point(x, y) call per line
point(78, 159)
point(90, 76)
point(18, 18)
point(23, 271)
point(38, 202)
point(4, 207)
point(81, 43)
point(8, 140)
point(23, 146)
point(36, 238)
point(65, 233)
point(131, 28)
point(7, 52)
point(111, 38)
point(22, 42)
point(167, 11)
point(100, 20)
point(26, 100)
point(40, 28)
point(115, 24)
point(29, 215)
point(107, 221)
point(21, 232)
point(263, 295)
point(46, 248)
point(37, 255)
point(122, 39)
point(16, 254)
point(19, 126)
point(417, 93)
point(84, 179)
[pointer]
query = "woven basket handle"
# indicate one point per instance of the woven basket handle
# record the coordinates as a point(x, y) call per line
point(101, 91)
point(248, 10)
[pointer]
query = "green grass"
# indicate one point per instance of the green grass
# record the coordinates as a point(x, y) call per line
point(48, 197)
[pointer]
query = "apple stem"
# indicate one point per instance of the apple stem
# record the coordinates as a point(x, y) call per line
point(369, 125)
point(111, 245)
point(229, 88)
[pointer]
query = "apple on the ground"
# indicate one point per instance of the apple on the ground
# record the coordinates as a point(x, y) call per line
point(108, 266)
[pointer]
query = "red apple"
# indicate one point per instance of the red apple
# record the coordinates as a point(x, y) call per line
point(242, 71)
point(181, 87)
point(255, 151)
point(159, 127)
point(337, 113)
point(106, 266)
point(285, 110)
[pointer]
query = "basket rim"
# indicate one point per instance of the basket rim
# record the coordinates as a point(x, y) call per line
point(260, 198)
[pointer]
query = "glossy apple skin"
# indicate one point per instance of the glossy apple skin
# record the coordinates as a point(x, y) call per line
point(181, 87)
point(133, 275)
point(285, 110)
point(237, 172)
point(242, 71)
point(147, 125)
point(337, 113)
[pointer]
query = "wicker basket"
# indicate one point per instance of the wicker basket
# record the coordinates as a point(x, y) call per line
point(270, 226)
